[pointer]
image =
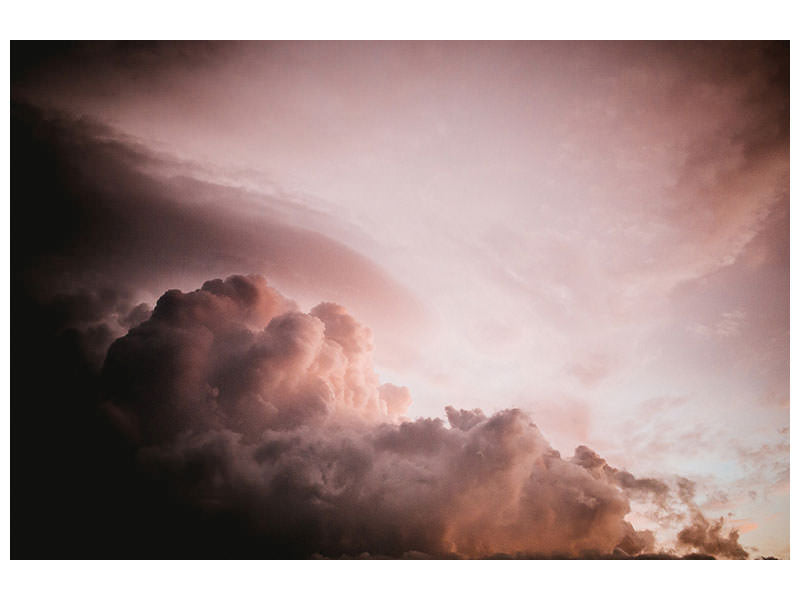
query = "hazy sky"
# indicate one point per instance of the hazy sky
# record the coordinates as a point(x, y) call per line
point(596, 233)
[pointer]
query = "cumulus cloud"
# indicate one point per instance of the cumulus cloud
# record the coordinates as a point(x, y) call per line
point(236, 355)
point(704, 534)
point(242, 405)
point(707, 536)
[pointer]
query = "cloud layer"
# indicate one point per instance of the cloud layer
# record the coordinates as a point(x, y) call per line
point(596, 233)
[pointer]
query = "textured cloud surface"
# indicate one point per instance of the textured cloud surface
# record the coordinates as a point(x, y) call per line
point(593, 233)
point(247, 407)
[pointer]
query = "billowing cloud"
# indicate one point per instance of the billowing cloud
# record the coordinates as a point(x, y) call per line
point(246, 406)
point(236, 355)
point(707, 536)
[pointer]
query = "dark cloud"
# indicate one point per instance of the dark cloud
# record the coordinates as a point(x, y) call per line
point(101, 228)
point(107, 67)
point(229, 424)
point(707, 536)
point(232, 425)
point(93, 209)
point(244, 407)
point(703, 534)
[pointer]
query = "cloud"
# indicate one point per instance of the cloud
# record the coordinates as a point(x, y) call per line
point(705, 535)
point(124, 217)
point(246, 407)
point(592, 462)
point(237, 355)
point(251, 427)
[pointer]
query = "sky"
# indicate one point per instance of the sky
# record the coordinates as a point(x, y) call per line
point(591, 237)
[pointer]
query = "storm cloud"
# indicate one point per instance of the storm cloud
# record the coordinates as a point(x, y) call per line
point(114, 215)
point(245, 406)
point(538, 235)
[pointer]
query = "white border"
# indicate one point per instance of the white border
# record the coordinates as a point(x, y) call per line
point(413, 19)
point(409, 19)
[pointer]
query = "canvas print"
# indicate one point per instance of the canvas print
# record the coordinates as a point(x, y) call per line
point(405, 300)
